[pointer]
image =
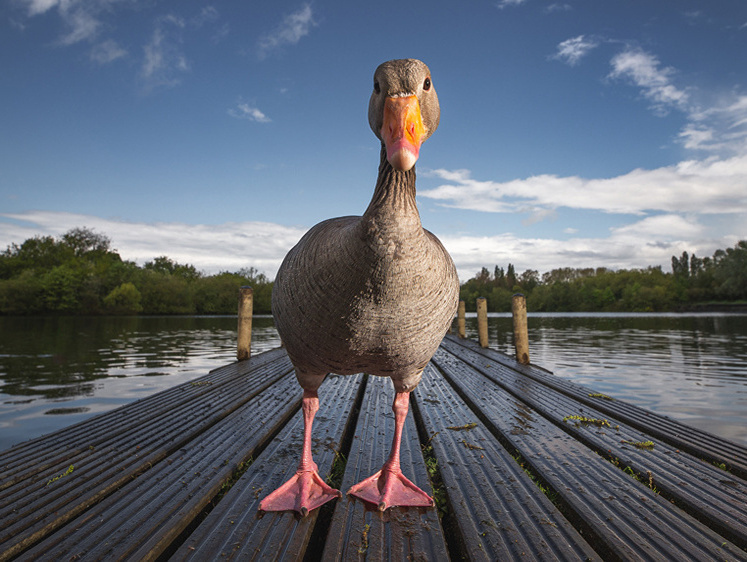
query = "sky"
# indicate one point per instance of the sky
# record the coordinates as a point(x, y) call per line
point(573, 133)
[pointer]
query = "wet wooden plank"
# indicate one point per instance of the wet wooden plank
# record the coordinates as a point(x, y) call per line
point(358, 530)
point(623, 518)
point(145, 475)
point(500, 513)
point(683, 437)
point(142, 518)
point(60, 448)
point(235, 529)
point(38, 503)
point(715, 497)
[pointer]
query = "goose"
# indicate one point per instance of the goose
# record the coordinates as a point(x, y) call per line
point(373, 293)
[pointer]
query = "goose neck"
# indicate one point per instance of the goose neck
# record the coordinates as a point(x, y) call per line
point(395, 192)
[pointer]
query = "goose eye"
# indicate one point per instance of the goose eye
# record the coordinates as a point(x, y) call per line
point(427, 84)
point(377, 88)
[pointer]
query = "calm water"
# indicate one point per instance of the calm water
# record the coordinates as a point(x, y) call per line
point(58, 371)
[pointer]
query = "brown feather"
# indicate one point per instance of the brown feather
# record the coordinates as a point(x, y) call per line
point(372, 294)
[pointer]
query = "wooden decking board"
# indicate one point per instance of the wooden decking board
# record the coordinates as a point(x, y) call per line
point(141, 519)
point(707, 492)
point(79, 434)
point(695, 441)
point(39, 508)
point(359, 531)
point(630, 519)
point(154, 423)
point(130, 453)
point(60, 448)
point(501, 513)
point(235, 529)
point(147, 486)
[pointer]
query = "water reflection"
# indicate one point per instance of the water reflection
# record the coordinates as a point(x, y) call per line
point(59, 370)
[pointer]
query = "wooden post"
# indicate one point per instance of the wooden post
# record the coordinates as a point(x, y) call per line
point(461, 324)
point(482, 321)
point(521, 337)
point(246, 305)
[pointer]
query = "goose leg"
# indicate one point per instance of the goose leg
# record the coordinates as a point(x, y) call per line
point(305, 490)
point(389, 487)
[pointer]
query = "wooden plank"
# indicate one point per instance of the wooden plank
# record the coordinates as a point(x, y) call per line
point(359, 531)
point(234, 529)
point(142, 519)
point(500, 513)
point(715, 497)
point(145, 474)
point(695, 441)
point(36, 505)
point(623, 518)
point(58, 448)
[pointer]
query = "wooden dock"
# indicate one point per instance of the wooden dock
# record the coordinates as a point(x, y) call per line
point(523, 464)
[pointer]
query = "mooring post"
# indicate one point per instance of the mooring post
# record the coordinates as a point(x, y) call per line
point(461, 324)
point(482, 321)
point(521, 337)
point(246, 305)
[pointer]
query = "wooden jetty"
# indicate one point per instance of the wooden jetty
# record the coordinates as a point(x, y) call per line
point(524, 465)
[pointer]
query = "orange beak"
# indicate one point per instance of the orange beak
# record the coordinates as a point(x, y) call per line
point(402, 131)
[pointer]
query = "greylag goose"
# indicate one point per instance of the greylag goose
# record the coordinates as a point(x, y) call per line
point(373, 294)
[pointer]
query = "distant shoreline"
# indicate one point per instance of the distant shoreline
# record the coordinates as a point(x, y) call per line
point(714, 307)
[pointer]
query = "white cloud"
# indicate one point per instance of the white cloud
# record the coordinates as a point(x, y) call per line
point(644, 70)
point(571, 51)
point(720, 128)
point(293, 28)
point(107, 51)
point(660, 226)
point(208, 14)
point(211, 248)
point(694, 186)
point(649, 242)
point(506, 3)
point(163, 59)
point(558, 8)
point(718, 125)
point(246, 111)
point(36, 7)
point(81, 18)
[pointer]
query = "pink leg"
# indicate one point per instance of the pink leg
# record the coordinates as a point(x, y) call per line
point(389, 487)
point(306, 490)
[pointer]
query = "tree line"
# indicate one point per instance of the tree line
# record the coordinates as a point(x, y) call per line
point(693, 282)
point(79, 273)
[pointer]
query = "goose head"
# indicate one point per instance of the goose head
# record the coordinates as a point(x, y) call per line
point(403, 110)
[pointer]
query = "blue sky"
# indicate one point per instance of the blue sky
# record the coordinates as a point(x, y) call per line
point(573, 133)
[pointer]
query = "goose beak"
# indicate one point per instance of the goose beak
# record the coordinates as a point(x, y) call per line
point(402, 131)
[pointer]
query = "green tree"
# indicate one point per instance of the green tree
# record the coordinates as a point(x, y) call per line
point(164, 294)
point(730, 272)
point(23, 294)
point(84, 241)
point(217, 294)
point(62, 286)
point(124, 299)
point(164, 265)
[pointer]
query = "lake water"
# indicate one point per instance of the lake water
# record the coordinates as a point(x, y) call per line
point(57, 371)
